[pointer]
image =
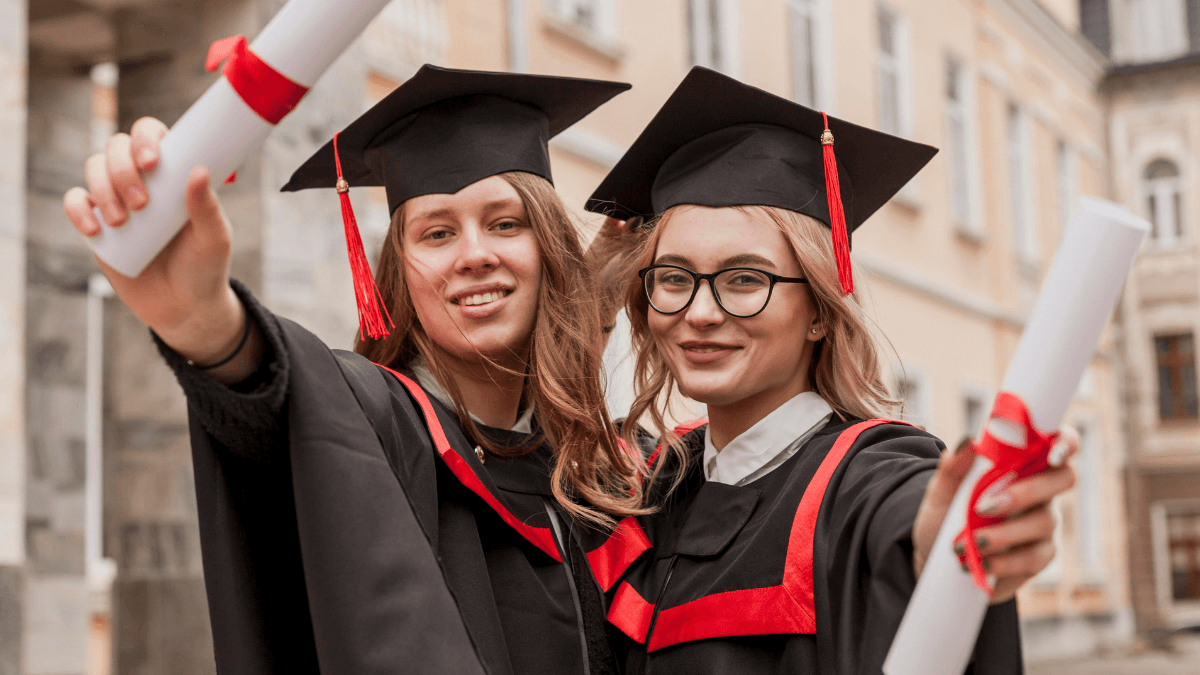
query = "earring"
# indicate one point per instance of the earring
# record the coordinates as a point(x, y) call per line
point(814, 331)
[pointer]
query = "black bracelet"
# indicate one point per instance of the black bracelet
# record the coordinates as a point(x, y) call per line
point(236, 350)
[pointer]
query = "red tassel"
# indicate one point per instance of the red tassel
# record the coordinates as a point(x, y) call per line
point(371, 309)
point(837, 217)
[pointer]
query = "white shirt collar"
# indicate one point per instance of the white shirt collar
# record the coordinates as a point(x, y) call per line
point(761, 448)
point(430, 384)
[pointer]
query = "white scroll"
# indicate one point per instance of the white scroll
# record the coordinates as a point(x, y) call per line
point(220, 130)
point(941, 625)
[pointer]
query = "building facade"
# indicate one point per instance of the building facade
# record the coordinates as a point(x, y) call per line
point(1007, 88)
point(1153, 92)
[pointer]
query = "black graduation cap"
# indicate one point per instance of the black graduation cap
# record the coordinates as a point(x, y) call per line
point(444, 129)
point(437, 133)
point(719, 142)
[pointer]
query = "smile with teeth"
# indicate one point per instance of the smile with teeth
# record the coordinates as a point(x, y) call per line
point(481, 298)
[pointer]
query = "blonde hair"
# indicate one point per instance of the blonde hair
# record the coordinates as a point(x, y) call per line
point(844, 370)
point(562, 379)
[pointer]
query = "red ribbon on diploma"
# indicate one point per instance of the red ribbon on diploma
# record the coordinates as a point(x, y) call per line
point(1010, 464)
point(267, 91)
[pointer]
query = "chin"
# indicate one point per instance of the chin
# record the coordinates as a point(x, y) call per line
point(709, 389)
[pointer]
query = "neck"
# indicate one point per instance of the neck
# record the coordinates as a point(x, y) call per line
point(492, 392)
point(727, 422)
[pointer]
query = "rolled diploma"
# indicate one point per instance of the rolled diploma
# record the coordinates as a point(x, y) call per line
point(220, 130)
point(941, 624)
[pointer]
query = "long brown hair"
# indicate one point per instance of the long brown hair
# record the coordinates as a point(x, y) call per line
point(594, 478)
point(845, 367)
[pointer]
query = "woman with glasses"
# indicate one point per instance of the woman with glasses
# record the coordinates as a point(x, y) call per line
point(793, 524)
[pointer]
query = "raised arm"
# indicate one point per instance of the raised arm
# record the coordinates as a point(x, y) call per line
point(184, 295)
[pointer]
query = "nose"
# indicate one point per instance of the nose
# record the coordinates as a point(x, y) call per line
point(476, 254)
point(704, 311)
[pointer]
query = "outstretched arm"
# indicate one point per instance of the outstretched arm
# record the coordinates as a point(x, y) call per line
point(184, 294)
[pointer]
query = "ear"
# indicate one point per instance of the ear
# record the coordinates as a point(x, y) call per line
point(815, 330)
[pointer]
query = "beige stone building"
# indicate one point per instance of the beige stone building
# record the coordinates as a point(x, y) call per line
point(1153, 93)
point(1008, 89)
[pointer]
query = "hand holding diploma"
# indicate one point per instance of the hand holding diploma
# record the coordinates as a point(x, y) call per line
point(183, 295)
point(947, 608)
point(1014, 550)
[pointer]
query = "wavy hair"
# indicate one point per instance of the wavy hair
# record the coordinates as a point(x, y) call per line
point(594, 479)
point(845, 368)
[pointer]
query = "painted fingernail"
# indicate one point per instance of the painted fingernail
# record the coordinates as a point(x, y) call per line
point(1058, 454)
point(987, 565)
point(992, 503)
point(136, 197)
point(964, 566)
point(981, 543)
point(146, 158)
point(959, 549)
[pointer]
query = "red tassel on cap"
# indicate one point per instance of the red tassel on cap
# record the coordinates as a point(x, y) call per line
point(837, 217)
point(371, 310)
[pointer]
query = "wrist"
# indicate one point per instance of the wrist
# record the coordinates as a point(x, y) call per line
point(210, 332)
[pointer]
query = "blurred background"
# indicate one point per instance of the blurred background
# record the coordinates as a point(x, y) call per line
point(1034, 104)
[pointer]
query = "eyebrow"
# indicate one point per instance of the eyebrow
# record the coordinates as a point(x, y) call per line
point(741, 260)
point(493, 205)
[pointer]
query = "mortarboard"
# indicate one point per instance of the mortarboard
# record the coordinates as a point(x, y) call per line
point(437, 133)
point(719, 142)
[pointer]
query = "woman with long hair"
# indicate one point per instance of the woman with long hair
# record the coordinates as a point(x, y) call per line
point(794, 523)
point(431, 502)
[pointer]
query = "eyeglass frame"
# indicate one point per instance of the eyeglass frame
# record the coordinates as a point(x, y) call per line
point(697, 277)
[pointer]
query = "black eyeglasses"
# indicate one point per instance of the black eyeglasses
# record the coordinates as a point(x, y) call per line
point(739, 291)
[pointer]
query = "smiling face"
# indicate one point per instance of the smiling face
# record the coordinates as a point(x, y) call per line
point(717, 359)
point(474, 270)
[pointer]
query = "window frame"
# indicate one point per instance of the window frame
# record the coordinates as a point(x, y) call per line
point(1174, 613)
point(1171, 187)
point(819, 15)
point(604, 24)
point(1159, 366)
point(972, 226)
point(1166, 43)
point(727, 29)
point(1022, 182)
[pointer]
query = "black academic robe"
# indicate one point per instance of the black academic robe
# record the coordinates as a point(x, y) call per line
point(348, 526)
point(807, 569)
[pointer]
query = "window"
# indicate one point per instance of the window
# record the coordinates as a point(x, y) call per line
point(714, 35)
point(1090, 517)
point(891, 71)
point(958, 164)
point(1176, 358)
point(913, 391)
point(1157, 29)
point(1065, 168)
point(1183, 551)
point(1164, 202)
point(1020, 186)
point(802, 22)
point(598, 16)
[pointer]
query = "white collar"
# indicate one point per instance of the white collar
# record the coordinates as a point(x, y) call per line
point(430, 384)
point(761, 448)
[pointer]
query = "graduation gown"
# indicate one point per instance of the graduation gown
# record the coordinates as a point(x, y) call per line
point(807, 569)
point(348, 526)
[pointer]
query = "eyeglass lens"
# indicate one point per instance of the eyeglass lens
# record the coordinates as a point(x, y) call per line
point(739, 292)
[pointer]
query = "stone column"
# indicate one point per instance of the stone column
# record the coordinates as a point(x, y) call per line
point(61, 95)
point(13, 69)
point(161, 622)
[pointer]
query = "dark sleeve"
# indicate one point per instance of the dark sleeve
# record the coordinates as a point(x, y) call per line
point(869, 562)
point(246, 418)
